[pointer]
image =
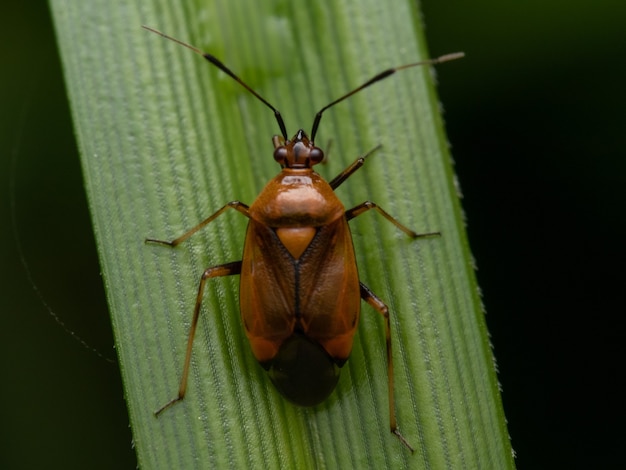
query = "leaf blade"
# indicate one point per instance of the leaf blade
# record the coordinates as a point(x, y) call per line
point(170, 145)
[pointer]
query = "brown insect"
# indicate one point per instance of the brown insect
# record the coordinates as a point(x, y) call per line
point(299, 291)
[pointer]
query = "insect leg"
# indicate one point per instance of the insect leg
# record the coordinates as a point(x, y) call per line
point(345, 174)
point(367, 205)
point(227, 269)
point(239, 206)
point(380, 307)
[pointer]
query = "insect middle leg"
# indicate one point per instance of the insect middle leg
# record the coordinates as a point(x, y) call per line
point(238, 206)
point(371, 298)
point(227, 269)
point(368, 205)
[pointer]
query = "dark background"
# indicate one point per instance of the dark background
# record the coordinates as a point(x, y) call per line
point(537, 122)
point(536, 115)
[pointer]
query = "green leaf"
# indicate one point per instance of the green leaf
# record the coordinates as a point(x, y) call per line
point(166, 140)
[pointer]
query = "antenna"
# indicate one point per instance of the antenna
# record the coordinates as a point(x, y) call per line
point(318, 117)
point(382, 75)
point(215, 61)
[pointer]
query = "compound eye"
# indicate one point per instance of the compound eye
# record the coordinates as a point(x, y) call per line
point(280, 155)
point(316, 155)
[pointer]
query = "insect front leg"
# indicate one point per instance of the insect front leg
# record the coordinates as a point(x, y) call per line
point(227, 269)
point(345, 174)
point(238, 206)
point(380, 307)
point(368, 205)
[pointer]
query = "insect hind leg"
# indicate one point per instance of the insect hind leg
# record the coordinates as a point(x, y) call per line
point(372, 299)
point(221, 270)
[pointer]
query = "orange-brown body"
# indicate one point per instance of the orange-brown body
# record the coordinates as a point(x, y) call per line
point(299, 285)
point(298, 270)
